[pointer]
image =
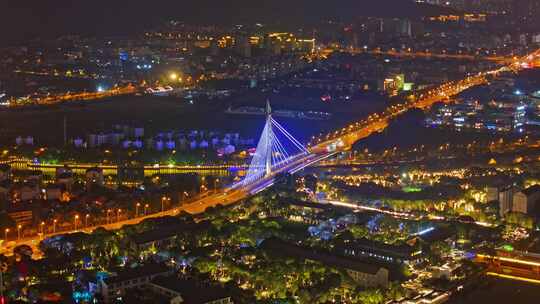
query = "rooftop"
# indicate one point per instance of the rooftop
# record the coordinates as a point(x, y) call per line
point(162, 232)
point(191, 291)
point(138, 272)
point(531, 190)
point(387, 249)
point(301, 203)
point(94, 169)
point(283, 248)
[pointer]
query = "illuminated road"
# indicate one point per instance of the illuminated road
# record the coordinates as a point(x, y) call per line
point(418, 54)
point(320, 148)
point(513, 268)
point(78, 96)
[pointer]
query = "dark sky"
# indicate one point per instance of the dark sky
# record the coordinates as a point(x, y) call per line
point(21, 20)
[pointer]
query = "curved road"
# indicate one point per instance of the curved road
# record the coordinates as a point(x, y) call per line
point(323, 148)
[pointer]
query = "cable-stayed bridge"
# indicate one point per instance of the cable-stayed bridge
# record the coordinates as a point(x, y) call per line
point(278, 151)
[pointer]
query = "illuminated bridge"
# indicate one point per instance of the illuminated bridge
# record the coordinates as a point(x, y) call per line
point(278, 152)
point(276, 149)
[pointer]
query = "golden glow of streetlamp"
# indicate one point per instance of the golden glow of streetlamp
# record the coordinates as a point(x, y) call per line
point(173, 76)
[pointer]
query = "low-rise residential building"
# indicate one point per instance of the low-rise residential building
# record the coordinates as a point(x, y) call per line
point(116, 286)
point(154, 238)
point(364, 274)
point(506, 196)
point(5, 186)
point(5, 172)
point(94, 177)
point(525, 201)
point(53, 192)
point(65, 179)
point(381, 251)
point(189, 291)
point(25, 192)
point(22, 215)
point(164, 235)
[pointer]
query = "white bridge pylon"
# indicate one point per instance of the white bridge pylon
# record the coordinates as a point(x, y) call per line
point(275, 149)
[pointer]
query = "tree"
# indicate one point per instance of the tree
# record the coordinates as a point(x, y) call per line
point(358, 231)
point(395, 291)
point(440, 248)
point(370, 296)
point(520, 219)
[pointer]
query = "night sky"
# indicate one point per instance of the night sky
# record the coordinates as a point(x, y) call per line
point(21, 20)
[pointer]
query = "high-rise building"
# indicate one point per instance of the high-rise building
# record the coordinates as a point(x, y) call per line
point(525, 12)
point(243, 46)
point(525, 200)
point(505, 200)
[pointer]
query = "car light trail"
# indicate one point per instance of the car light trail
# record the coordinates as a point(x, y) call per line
point(355, 206)
point(511, 260)
point(511, 277)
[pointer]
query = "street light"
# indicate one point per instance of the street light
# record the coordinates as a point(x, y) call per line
point(137, 209)
point(42, 225)
point(75, 221)
point(6, 231)
point(185, 195)
point(86, 220)
point(145, 208)
point(54, 225)
point(108, 212)
point(162, 200)
point(19, 232)
point(118, 214)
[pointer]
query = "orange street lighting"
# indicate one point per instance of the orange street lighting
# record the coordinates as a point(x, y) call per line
point(137, 209)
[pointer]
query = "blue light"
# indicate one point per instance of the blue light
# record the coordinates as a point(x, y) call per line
point(428, 230)
point(81, 296)
point(100, 89)
point(518, 92)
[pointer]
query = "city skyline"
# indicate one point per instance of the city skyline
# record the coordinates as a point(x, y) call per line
point(305, 152)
